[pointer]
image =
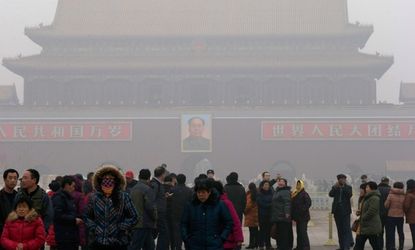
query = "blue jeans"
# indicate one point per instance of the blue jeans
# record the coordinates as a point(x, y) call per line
point(142, 238)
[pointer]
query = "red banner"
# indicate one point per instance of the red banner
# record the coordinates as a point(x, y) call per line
point(338, 130)
point(65, 131)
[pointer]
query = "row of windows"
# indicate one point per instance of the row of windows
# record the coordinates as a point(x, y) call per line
point(199, 94)
point(239, 101)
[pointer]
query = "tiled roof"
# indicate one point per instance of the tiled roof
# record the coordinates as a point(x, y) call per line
point(199, 17)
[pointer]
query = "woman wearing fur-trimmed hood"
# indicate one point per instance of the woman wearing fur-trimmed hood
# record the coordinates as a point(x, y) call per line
point(110, 213)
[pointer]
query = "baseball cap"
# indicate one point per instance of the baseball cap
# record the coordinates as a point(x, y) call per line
point(129, 174)
point(210, 171)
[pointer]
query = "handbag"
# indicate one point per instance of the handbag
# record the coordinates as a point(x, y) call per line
point(274, 231)
point(355, 225)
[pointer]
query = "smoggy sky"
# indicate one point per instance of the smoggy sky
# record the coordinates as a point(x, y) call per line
point(393, 21)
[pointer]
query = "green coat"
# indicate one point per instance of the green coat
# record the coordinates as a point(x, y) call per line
point(370, 223)
point(281, 205)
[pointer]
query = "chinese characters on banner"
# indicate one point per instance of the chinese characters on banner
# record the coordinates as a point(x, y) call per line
point(338, 130)
point(65, 131)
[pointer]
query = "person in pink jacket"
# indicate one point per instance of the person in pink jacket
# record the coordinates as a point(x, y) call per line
point(394, 204)
point(24, 228)
point(235, 239)
point(409, 208)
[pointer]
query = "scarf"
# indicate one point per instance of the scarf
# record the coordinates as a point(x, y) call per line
point(298, 188)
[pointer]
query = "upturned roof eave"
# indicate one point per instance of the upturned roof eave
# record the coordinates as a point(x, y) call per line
point(47, 34)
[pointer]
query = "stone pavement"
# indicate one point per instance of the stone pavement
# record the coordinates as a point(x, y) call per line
point(318, 232)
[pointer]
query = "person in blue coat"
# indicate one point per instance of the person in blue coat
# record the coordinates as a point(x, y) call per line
point(206, 221)
point(264, 202)
point(66, 221)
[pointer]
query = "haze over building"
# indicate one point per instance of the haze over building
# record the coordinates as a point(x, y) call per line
point(279, 85)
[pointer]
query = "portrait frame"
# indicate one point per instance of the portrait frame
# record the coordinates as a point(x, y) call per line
point(196, 143)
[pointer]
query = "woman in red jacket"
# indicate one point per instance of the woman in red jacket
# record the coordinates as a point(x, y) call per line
point(24, 229)
point(409, 208)
point(236, 237)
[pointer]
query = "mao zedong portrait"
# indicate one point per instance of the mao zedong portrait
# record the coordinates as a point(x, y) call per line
point(196, 140)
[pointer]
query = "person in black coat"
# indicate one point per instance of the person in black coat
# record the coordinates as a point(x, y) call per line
point(236, 194)
point(341, 209)
point(65, 220)
point(180, 196)
point(384, 189)
point(206, 221)
point(142, 196)
point(264, 201)
point(129, 178)
point(168, 185)
point(300, 213)
point(161, 202)
point(7, 195)
point(281, 214)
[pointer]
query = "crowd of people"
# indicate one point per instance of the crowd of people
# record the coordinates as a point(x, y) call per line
point(381, 211)
point(113, 210)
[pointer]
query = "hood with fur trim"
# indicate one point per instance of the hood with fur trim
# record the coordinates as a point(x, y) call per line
point(31, 216)
point(112, 170)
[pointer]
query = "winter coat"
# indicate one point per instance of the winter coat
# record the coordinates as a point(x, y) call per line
point(64, 221)
point(30, 231)
point(110, 224)
point(142, 196)
point(206, 226)
point(384, 190)
point(87, 187)
point(236, 194)
point(370, 223)
point(409, 206)
point(78, 197)
point(160, 196)
point(281, 205)
point(6, 206)
point(80, 204)
point(251, 211)
point(41, 203)
point(341, 205)
point(236, 235)
point(394, 202)
point(130, 185)
point(167, 189)
point(300, 207)
point(264, 202)
point(50, 236)
point(181, 196)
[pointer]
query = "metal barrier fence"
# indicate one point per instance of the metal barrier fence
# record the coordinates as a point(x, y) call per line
point(320, 201)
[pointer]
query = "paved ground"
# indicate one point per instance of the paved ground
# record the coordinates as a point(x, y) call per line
point(319, 236)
